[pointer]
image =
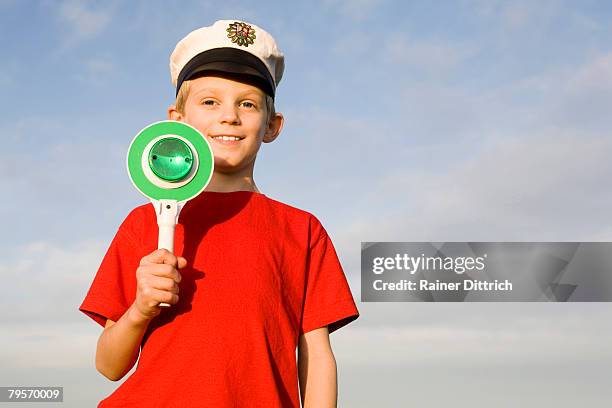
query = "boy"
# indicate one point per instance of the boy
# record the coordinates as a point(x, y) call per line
point(257, 278)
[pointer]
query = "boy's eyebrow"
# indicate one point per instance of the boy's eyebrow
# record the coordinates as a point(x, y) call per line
point(242, 94)
point(199, 91)
point(252, 92)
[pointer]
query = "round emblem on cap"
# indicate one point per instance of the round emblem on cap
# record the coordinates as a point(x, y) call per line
point(241, 33)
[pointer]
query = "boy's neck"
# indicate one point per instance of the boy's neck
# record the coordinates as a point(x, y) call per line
point(224, 183)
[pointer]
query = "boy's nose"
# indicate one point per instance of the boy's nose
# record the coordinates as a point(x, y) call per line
point(229, 114)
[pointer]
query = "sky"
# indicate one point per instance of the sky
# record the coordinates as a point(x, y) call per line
point(404, 121)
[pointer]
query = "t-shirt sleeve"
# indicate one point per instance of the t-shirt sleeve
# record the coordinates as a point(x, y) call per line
point(328, 301)
point(113, 289)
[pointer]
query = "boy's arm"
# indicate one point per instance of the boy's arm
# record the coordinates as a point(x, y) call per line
point(119, 344)
point(317, 370)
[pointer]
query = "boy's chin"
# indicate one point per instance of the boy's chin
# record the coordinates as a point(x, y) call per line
point(229, 167)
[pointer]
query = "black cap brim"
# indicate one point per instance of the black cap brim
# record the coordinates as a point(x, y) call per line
point(232, 61)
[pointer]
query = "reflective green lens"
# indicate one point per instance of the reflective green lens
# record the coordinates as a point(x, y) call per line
point(171, 159)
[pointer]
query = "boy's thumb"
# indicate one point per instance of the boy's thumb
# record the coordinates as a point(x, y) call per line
point(182, 262)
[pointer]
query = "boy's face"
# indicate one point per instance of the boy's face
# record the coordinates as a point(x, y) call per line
point(221, 109)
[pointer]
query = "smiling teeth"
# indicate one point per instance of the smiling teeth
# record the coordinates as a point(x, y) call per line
point(226, 137)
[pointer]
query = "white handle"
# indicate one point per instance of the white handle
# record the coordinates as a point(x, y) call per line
point(167, 218)
point(166, 237)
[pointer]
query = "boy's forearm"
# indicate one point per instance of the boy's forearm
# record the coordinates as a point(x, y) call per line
point(318, 381)
point(119, 345)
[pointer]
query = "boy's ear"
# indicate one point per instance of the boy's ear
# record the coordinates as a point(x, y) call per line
point(274, 127)
point(174, 114)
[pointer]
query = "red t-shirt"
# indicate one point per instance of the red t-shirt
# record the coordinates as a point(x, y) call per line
point(260, 273)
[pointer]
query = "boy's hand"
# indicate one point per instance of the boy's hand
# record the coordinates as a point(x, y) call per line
point(157, 281)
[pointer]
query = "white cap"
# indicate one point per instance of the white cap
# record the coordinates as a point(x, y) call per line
point(231, 46)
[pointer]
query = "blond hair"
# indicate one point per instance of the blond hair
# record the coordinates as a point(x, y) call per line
point(183, 93)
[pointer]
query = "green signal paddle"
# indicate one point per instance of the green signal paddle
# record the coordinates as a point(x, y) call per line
point(170, 163)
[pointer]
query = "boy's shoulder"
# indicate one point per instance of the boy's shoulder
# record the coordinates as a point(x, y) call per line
point(293, 210)
point(139, 214)
point(298, 216)
point(287, 208)
point(136, 223)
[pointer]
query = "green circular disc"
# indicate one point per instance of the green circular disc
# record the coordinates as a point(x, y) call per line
point(171, 159)
point(202, 175)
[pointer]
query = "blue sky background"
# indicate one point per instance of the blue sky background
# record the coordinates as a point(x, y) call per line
point(405, 121)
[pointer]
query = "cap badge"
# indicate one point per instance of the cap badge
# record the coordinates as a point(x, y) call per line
point(241, 33)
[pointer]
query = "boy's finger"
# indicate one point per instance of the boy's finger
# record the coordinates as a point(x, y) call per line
point(163, 270)
point(163, 283)
point(162, 296)
point(159, 256)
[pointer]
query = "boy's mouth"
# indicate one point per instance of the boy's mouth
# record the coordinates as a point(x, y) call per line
point(226, 139)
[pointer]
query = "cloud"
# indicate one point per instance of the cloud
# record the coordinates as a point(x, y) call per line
point(570, 97)
point(66, 178)
point(48, 345)
point(428, 57)
point(48, 281)
point(83, 21)
point(448, 336)
point(99, 70)
point(476, 352)
point(532, 188)
point(549, 188)
point(596, 74)
point(516, 15)
point(502, 383)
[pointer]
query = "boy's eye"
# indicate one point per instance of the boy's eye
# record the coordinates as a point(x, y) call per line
point(208, 102)
point(248, 104)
